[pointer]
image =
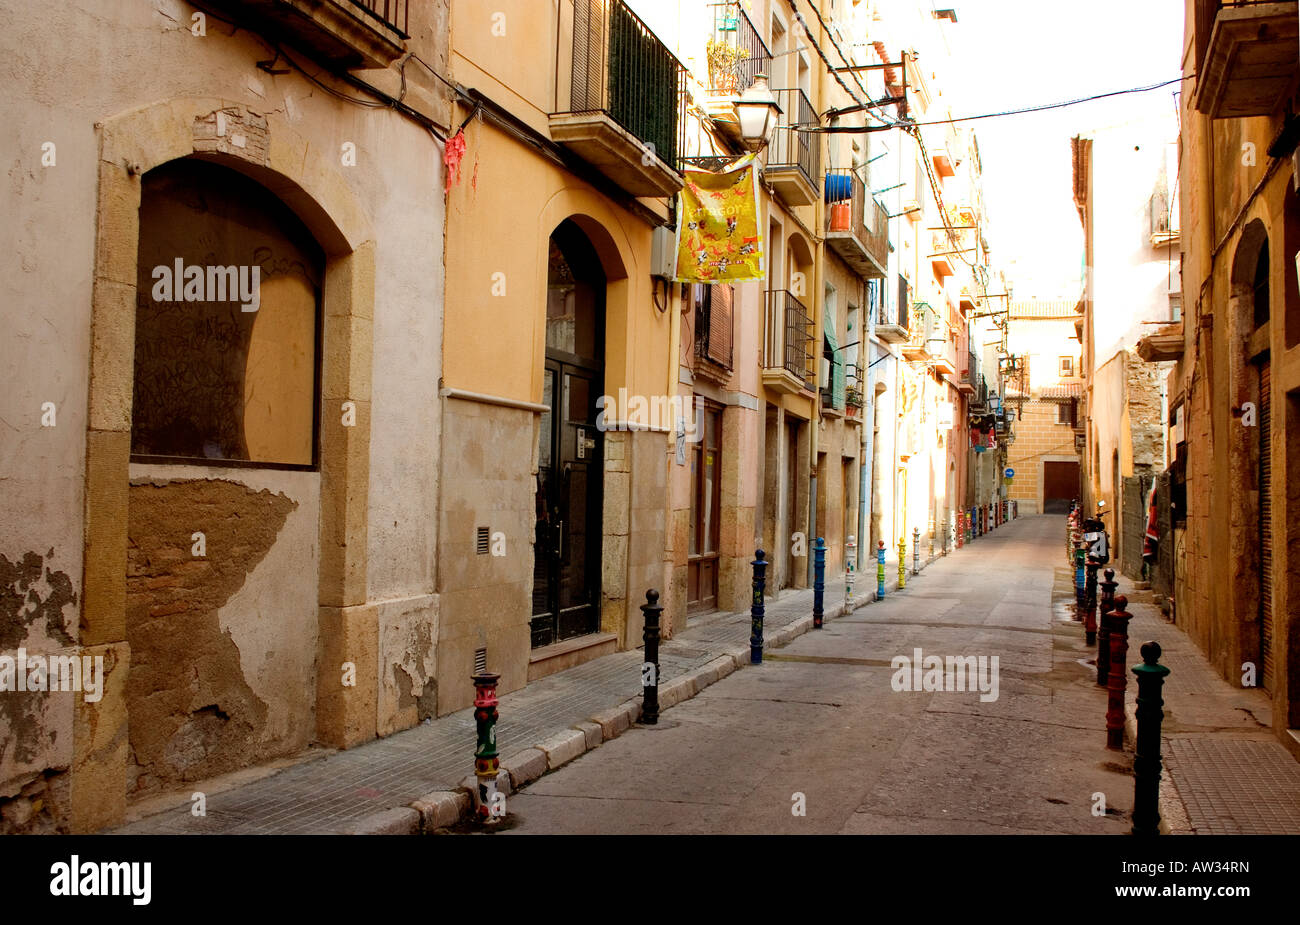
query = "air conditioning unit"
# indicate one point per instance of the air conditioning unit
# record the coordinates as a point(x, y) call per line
point(663, 252)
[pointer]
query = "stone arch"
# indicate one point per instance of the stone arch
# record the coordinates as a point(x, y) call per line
point(271, 153)
point(1251, 256)
point(799, 259)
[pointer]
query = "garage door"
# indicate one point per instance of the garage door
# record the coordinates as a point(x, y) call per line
point(1060, 486)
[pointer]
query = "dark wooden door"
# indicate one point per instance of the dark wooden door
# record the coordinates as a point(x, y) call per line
point(566, 575)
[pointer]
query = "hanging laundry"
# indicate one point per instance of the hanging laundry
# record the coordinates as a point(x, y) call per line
point(1151, 542)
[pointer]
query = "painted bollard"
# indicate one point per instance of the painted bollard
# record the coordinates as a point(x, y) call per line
point(1103, 627)
point(850, 563)
point(819, 581)
point(1079, 581)
point(1090, 602)
point(756, 609)
point(880, 570)
point(902, 562)
point(651, 610)
point(1119, 618)
point(487, 762)
point(916, 549)
point(1146, 762)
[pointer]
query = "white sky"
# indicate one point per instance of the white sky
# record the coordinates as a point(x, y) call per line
point(1008, 54)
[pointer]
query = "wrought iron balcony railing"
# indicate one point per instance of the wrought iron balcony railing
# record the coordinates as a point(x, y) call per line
point(790, 147)
point(392, 13)
point(857, 225)
point(346, 33)
point(742, 55)
point(788, 336)
point(621, 69)
point(853, 386)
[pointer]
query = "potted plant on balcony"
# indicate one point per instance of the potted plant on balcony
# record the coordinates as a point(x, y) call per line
point(724, 60)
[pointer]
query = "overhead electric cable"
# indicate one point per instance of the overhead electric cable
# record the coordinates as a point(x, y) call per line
point(836, 129)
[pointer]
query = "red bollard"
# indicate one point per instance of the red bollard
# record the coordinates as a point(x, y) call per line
point(1119, 618)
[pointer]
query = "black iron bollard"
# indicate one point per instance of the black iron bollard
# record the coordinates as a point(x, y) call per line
point(1103, 626)
point(756, 609)
point(1146, 764)
point(650, 668)
point(819, 580)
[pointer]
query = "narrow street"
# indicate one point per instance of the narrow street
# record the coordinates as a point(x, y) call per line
point(819, 718)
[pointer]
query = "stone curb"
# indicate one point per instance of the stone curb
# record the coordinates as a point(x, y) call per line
point(400, 820)
point(443, 809)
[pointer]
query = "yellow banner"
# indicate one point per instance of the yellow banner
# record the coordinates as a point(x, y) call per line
point(718, 235)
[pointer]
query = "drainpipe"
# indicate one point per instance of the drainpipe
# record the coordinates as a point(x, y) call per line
point(868, 426)
point(674, 363)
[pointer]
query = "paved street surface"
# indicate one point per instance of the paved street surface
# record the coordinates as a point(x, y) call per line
point(326, 791)
point(820, 719)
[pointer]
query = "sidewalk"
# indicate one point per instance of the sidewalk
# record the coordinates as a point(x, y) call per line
point(414, 780)
point(1228, 771)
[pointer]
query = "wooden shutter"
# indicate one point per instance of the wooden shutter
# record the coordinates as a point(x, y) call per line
point(720, 324)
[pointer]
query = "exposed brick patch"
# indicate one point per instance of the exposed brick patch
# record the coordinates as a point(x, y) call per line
point(192, 713)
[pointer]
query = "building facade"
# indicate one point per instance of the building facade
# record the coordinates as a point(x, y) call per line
point(220, 496)
point(1235, 388)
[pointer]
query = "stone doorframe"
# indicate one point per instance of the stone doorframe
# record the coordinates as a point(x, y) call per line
point(272, 153)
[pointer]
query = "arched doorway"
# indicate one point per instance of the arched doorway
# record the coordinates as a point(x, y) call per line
point(570, 473)
point(224, 449)
point(1251, 316)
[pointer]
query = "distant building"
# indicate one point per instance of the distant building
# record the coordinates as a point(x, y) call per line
point(1044, 389)
point(1125, 186)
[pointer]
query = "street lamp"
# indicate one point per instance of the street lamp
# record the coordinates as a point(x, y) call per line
point(756, 110)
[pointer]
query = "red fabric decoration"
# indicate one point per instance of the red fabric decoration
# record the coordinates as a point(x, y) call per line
point(451, 157)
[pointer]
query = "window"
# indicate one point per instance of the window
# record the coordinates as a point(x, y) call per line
point(1065, 412)
point(227, 322)
point(1067, 366)
point(713, 322)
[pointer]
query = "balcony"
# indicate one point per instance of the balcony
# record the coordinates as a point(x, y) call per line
point(1166, 343)
point(625, 97)
point(893, 330)
point(943, 253)
point(350, 34)
point(943, 353)
point(1247, 55)
point(788, 361)
point(1164, 219)
point(793, 158)
point(922, 343)
point(857, 226)
point(736, 53)
point(970, 376)
point(854, 390)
